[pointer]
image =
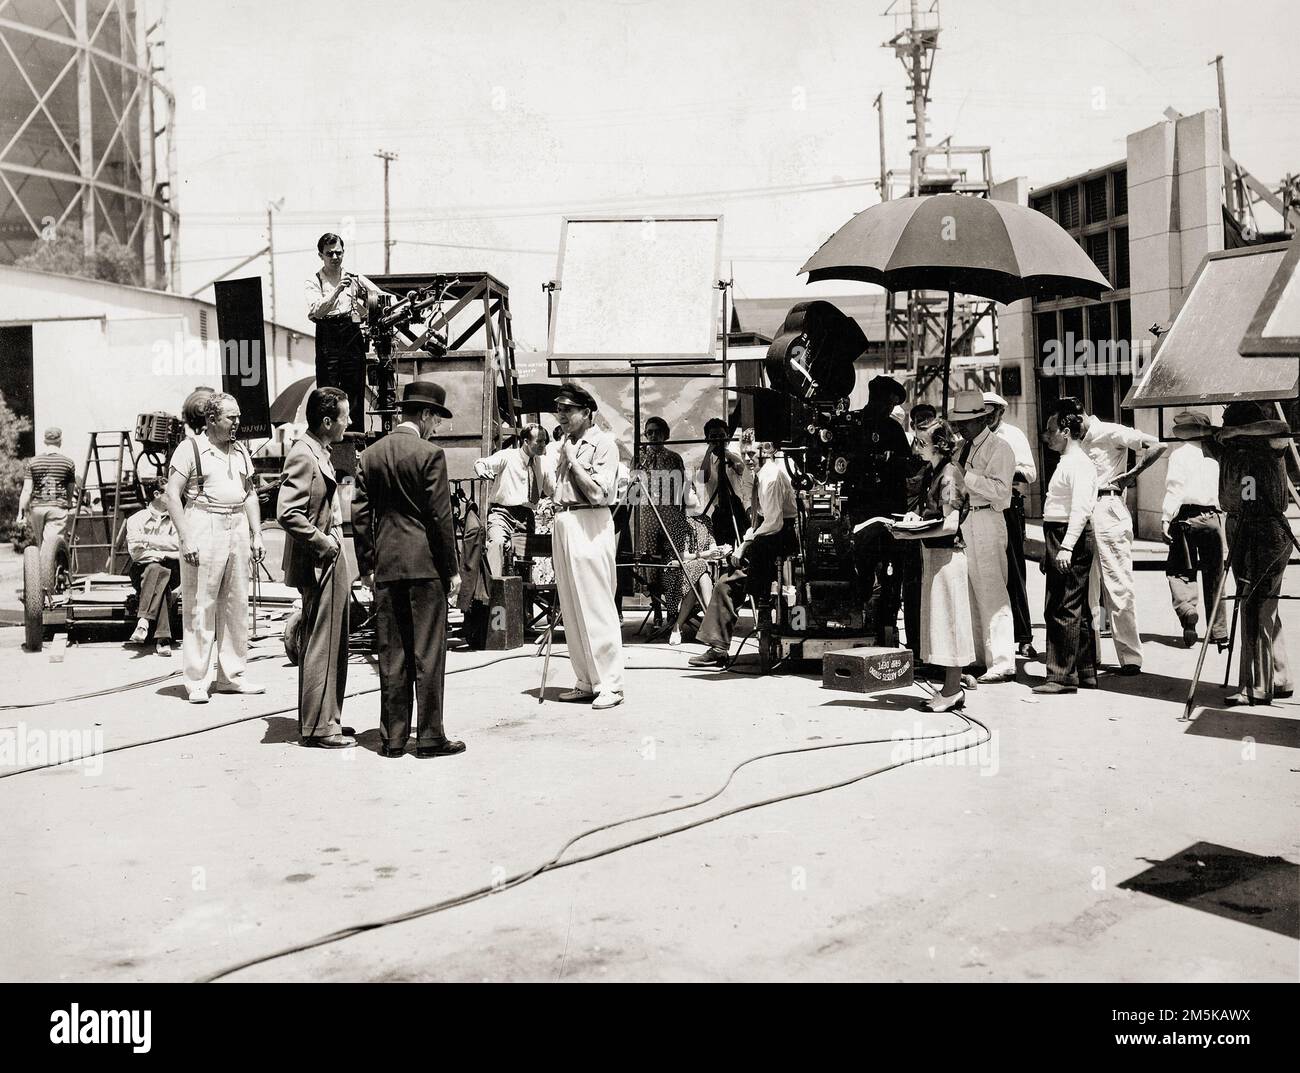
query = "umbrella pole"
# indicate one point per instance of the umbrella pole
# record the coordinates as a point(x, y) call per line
point(947, 354)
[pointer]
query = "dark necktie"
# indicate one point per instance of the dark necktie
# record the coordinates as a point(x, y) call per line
point(532, 481)
point(753, 504)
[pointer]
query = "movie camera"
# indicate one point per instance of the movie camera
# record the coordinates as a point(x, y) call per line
point(419, 318)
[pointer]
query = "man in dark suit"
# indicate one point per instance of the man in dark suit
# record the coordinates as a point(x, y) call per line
point(402, 525)
point(310, 512)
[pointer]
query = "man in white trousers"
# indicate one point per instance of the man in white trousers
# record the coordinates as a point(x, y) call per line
point(211, 500)
point(582, 483)
point(1108, 445)
point(989, 468)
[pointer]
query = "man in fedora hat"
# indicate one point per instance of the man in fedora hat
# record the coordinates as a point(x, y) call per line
point(1026, 474)
point(406, 548)
point(1108, 445)
point(583, 485)
point(877, 486)
point(989, 467)
point(1193, 526)
point(1253, 491)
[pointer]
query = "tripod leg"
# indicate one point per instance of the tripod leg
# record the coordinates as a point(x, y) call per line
point(546, 663)
point(1205, 641)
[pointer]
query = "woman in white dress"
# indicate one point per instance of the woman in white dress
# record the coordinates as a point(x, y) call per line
point(946, 637)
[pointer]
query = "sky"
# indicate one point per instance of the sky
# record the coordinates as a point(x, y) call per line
point(508, 116)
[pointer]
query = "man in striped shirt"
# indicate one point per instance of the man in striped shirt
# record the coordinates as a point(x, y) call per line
point(49, 488)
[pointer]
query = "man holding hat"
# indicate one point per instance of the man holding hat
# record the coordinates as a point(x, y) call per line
point(989, 467)
point(1193, 526)
point(1026, 473)
point(583, 486)
point(406, 550)
point(877, 486)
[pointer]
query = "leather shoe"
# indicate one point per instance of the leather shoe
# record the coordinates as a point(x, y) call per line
point(392, 751)
point(712, 658)
point(333, 741)
point(1027, 650)
point(607, 700)
point(990, 678)
point(1088, 683)
point(1128, 670)
point(447, 748)
point(239, 687)
point(1054, 688)
point(574, 695)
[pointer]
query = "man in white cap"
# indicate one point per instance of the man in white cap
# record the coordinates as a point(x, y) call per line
point(989, 466)
point(1108, 445)
point(583, 485)
point(1193, 526)
point(1026, 474)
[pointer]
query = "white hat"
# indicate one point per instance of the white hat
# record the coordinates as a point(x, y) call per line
point(968, 405)
point(992, 398)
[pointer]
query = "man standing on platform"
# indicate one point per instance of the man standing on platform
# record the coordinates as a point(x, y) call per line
point(583, 486)
point(1108, 445)
point(310, 511)
point(516, 476)
point(1026, 474)
point(406, 551)
point(989, 467)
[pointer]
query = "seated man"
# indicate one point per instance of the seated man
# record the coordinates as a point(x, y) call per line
point(772, 535)
point(516, 475)
point(155, 569)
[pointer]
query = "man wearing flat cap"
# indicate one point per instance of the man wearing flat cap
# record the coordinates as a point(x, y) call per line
point(1192, 522)
point(877, 486)
point(402, 525)
point(583, 484)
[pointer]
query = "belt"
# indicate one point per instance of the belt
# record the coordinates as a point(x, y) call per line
point(983, 506)
point(218, 508)
point(1109, 492)
point(561, 507)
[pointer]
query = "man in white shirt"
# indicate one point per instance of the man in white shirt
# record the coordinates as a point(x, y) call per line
point(1067, 560)
point(155, 569)
point(1108, 445)
point(337, 302)
point(583, 485)
point(989, 467)
point(516, 475)
point(725, 501)
point(772, 535)
point(1026, 474)
point(1193, 526)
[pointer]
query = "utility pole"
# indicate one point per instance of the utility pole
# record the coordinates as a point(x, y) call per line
point(387, 158)
point(272, 207)
point(1229, 172)
point(884, 196)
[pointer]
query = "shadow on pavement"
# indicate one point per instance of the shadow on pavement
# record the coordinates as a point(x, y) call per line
point(1260, 891)
point(1238, 723)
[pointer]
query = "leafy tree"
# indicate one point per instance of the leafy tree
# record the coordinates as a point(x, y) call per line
point(64, 252)
point(11, 466)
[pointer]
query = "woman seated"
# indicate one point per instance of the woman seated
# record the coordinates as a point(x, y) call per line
point(697, 553)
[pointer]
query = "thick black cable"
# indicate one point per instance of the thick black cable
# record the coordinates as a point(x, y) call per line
point(554, 863)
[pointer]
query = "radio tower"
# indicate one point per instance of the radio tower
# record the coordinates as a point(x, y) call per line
point(918, 326)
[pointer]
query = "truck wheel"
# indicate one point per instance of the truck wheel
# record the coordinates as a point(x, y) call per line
point(54, 560)
point(33, 600)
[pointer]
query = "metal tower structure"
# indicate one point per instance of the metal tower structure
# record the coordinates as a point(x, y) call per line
point(86, 130)
point(914, 328)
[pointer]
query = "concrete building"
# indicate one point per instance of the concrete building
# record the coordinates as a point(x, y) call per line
point(1146, 221)
point(90, 356)
point(86, 131)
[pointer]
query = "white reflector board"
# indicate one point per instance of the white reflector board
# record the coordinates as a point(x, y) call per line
point(634, 287)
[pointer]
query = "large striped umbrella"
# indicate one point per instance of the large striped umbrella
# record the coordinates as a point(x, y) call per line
point(958, 242)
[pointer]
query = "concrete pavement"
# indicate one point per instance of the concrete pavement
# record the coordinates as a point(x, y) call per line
point(1017, 861)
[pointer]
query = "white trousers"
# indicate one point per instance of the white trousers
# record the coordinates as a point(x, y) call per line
point(583, 544)
point(992, 623)
point(215, 595)
point(1112, 567)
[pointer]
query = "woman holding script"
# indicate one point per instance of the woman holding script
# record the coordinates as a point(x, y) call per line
point(946, 637)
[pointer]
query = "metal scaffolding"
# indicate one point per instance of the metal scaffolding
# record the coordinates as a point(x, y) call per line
point(86, 130)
